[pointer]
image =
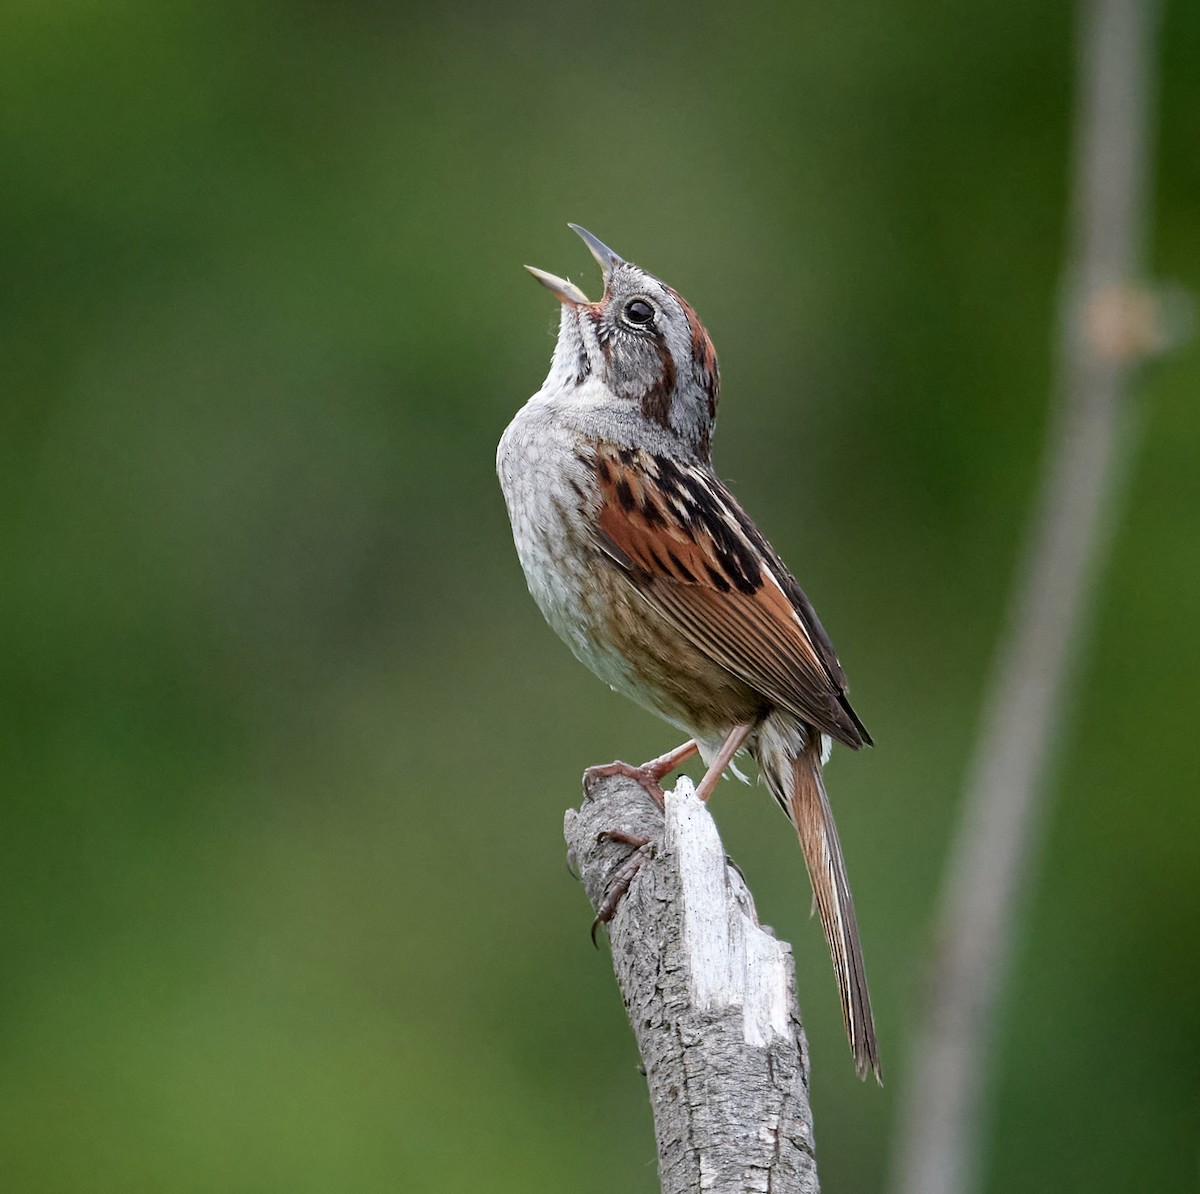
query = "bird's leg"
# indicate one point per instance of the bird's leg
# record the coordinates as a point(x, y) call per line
point(624, 876)
point(649, 775)
point(729, 748)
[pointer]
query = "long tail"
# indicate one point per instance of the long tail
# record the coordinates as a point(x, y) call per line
point(813, 818)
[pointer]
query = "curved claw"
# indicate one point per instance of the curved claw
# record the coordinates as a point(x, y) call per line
point(623, 878)
point(643, 776)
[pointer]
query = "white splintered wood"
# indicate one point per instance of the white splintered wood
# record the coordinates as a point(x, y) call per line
point(732, 962)
point(710, 995)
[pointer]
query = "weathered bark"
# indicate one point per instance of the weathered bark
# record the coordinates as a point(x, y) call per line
point(710, 995)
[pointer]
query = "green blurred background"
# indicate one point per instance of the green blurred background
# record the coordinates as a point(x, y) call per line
point(285, 743)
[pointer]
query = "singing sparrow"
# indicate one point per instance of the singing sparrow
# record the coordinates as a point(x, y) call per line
point(645, 564)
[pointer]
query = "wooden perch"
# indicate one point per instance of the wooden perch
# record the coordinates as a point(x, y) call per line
point(710, 995)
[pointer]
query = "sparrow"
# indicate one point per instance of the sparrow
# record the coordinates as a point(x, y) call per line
point(645, 564)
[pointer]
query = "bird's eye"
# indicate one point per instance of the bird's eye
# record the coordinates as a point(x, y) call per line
point(639, 311)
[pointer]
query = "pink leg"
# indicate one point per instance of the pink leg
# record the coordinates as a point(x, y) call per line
point(623, 877)
point(648, 775)
point(729, 748)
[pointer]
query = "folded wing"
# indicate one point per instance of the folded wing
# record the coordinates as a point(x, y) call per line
point(695, 556)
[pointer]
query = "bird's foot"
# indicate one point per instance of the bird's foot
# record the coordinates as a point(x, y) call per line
point(648, 776)
point(644, 776)
point(624, 875)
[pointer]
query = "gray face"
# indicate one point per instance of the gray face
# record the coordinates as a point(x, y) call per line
point(641, 334)
point(648, 347)
point(644, 343)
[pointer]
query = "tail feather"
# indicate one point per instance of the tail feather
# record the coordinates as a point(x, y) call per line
point(810, 813)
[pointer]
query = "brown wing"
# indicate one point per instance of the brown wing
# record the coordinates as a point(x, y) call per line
point(694, 554)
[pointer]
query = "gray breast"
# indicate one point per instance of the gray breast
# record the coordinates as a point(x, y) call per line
point(545, 488)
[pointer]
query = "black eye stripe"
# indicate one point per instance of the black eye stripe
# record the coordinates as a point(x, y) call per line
point(639, 311)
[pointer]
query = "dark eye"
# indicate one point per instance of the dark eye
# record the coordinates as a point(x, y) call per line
point(638, 311)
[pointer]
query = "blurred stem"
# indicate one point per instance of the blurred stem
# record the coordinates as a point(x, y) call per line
point(1107, 326)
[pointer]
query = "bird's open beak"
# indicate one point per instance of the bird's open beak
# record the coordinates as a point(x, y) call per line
point(605, 257)
point(564, 291)
point(568, 292)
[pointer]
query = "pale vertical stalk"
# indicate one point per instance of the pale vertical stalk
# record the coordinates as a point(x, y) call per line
point(711, 995)
point(942, 1109)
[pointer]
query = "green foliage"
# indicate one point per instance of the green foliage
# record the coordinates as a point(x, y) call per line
point(285, 745)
